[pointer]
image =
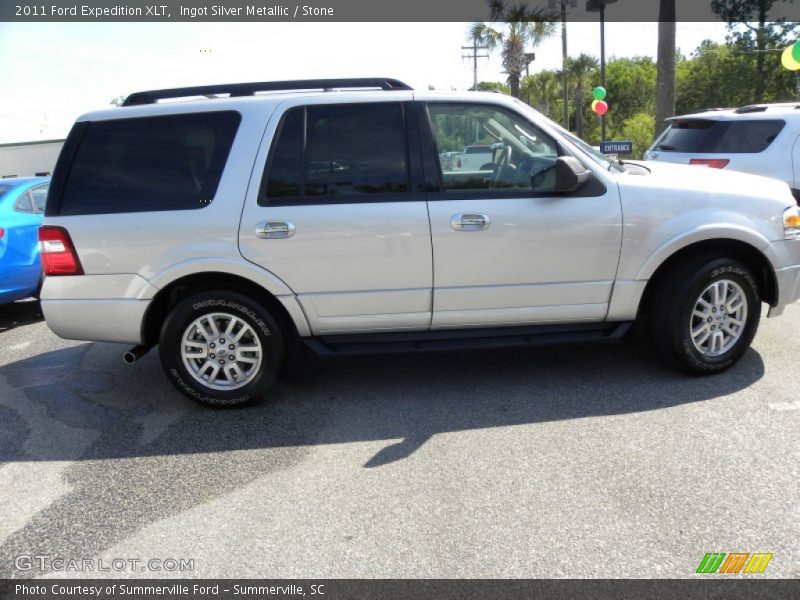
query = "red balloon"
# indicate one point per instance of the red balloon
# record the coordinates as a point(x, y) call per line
point(601, 108)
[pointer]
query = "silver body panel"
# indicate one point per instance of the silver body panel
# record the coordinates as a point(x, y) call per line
point(393, 266)
point(538, 261)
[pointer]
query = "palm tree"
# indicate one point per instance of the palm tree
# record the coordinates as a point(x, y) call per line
point(513, 27)
point(579, 70)
point(543, 89)
point(665, 75)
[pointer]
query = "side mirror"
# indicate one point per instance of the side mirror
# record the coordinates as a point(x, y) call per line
point(570, 174)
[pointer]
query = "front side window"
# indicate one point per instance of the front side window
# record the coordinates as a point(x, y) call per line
point(337, 152)
point(159, 163)
point(490, 148)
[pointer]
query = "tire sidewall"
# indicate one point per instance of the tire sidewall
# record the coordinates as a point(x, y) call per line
point(255, 315)
point(715, 270)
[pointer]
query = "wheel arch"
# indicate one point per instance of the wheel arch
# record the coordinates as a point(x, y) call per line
point(746, 253)
point(170, 295)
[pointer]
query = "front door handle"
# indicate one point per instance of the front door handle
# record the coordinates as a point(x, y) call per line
point(470, 222)
point(269, 230)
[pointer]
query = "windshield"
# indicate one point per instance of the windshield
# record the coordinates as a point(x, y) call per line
point(4, 189)
point(595, 155)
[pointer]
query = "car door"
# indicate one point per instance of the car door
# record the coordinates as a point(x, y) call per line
point(340, 214)
point(507, 249)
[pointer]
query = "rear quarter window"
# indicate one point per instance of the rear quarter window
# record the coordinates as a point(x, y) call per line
point(722, 137)
point(171, 162)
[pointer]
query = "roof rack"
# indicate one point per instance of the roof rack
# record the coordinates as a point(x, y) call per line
point(249, 89)
point(709, 109)
point(751, 108)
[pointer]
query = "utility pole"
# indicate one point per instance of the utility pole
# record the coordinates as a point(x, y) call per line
point(565, 82)
point(473, 52)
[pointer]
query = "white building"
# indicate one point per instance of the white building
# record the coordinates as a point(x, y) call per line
point(23, 159)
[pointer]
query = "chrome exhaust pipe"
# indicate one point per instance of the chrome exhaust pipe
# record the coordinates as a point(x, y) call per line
point(135, 353)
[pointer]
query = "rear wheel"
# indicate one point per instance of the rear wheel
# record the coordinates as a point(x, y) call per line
point(221, 348)
point(704, 314)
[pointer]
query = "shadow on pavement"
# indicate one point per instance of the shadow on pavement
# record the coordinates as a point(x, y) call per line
point(16, 314)
point(144, 453)
point(132, 411)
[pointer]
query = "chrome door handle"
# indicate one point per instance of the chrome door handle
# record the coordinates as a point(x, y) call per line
point(470, 222)
point(274, 229)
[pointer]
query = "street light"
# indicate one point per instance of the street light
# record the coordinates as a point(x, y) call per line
point(552, 4)
point(600, 6)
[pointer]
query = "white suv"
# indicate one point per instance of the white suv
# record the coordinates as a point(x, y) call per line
point(763, 139)
point(233, 228)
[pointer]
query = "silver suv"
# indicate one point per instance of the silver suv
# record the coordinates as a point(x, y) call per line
point(236, 225)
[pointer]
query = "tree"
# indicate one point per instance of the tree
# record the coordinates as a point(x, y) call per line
point(750, 32)
point(493, 86)
point(631, 85)
point(513, 27)
point(117, 101)
point(579, 70)
point(722, 76)
point(543, 89)
point(639, 130)
point(665, 80)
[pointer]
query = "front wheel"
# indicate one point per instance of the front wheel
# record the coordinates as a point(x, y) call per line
point(221, 348)
point(704, 315)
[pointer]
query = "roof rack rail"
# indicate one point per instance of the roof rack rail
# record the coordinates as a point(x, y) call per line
point(709, 109)
point(750, 108)
point(249, 89)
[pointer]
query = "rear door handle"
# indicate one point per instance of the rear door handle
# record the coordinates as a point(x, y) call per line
point(269, 230)
point(470, 222)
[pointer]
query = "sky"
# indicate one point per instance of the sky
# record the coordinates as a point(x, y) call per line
point(54, 72)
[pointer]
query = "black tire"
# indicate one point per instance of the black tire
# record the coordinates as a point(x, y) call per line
point(673, 301)
point(261, 324)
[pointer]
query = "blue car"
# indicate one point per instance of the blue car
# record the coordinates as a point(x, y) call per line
point(22, 201)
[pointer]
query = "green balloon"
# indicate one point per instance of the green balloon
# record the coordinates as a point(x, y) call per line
point(599, 93)
point(796, 51)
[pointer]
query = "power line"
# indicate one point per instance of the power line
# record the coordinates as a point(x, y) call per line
point(473, 53)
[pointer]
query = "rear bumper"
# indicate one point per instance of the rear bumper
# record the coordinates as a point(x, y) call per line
point(102, 308)
point(115, 320)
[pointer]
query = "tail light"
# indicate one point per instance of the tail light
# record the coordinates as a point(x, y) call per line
point(714, 163)
point(2, 233)
point(458, 163)
point(57, 252)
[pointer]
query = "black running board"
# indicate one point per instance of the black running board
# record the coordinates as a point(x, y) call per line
point(462, 339)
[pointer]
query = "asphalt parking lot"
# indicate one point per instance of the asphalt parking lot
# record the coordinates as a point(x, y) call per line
point(570, 461)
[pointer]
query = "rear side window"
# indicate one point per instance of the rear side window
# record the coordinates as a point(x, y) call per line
point(149, 164)
point(24, 204)
point(39, 197)
point(747, 136)
point(338, 153)
point(728, 137)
